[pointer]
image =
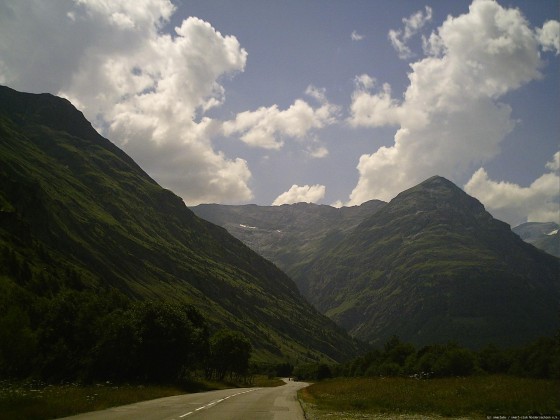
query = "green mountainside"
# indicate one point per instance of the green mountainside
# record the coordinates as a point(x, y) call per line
point(430, 266)
point(433, 265)
point(545, 236)
point(74, 206)
point(290, 235)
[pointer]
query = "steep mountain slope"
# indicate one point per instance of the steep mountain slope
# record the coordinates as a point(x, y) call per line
point(72, 202)
point(545, 236)
point(291, 235)
point(433, 265)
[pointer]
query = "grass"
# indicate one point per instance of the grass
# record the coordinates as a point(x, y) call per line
point(38, 401)
point(472, 397)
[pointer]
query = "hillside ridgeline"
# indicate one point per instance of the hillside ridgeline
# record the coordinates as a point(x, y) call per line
point(290, 235)
point(76, 210)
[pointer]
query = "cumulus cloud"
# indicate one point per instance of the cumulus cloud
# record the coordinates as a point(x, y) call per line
point(412, 25)
point(450, 120)
point(145, 90)
point(297, 194)
point(268, 127)
point(512, 203)
point(373, 109)
point(549, 36)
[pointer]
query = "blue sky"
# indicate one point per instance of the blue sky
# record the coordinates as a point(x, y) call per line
point(334, 102)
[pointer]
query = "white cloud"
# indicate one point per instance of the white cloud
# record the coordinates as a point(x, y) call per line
point(549, 36)
point(356, 36)
point(297, 194)
point(554, 164)
point(268, 127)
point(364, 82)
point(318, 152)
point(319, 94)
point(412, 25)
point(337, 204)
point(373, 110)
point(539, 202)
point(449, 120)
point(147, 91)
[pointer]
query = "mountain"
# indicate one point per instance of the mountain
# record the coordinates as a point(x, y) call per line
point(431, 266)
point(545, 236)
point(73, 205)
point(290, 235)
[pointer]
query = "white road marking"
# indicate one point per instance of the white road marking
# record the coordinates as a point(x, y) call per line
point(213, 403)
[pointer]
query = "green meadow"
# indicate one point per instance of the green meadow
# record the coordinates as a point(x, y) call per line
point(470, 397)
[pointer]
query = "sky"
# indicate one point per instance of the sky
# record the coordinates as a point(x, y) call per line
point(325, 101)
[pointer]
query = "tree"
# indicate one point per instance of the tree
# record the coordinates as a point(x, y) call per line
point(229, 353)
point(445, 360)
point(494, 360)
point(455, 362)
point(397, 352)
point(323, 372)
point(17, 342)
point(171, 338)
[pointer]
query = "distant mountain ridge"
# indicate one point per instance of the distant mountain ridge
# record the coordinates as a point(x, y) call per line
point(545, 236)
point(430, 266)
point(290, 235)
point(73, 202)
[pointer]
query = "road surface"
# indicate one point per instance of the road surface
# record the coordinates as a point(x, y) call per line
point(277, 403)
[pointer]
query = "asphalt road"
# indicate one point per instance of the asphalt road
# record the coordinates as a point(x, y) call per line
point(277, 403)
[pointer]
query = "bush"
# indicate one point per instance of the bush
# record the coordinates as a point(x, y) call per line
point(455, 362)
point(323, 372)
point(540, 359)
point(491, 359)
point(313, 372)
point(390, 369)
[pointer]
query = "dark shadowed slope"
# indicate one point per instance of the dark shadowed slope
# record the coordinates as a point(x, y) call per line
point(71, 201)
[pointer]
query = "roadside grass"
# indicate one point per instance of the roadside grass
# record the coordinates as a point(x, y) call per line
point(472, 397)
point(35, 400)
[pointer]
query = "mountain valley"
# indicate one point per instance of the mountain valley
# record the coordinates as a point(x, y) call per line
point(430, 266)
point(75, 209)
point(291, 235)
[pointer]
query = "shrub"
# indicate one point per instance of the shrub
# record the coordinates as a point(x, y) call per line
point(390, 369)
point(455, 362)
point(491, 359)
